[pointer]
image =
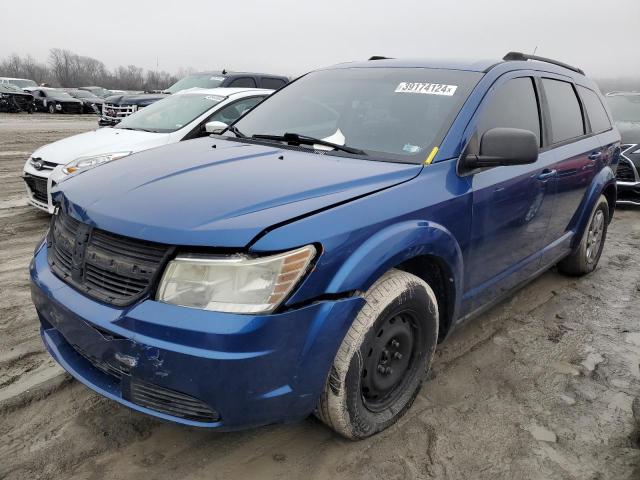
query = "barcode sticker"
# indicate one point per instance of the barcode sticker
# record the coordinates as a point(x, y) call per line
point(426, 88)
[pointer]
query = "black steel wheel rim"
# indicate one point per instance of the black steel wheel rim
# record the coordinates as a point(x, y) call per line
point(390, 360)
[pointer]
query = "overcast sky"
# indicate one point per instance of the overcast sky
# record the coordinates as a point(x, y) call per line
point(294, 36)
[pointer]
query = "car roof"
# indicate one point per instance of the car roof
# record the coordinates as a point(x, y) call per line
point(229, 73)
point(474, 65)
point(14, 78)
point(223, 92)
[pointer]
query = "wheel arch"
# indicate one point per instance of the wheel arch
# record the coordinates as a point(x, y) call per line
point(422, 248)
point(604, 183)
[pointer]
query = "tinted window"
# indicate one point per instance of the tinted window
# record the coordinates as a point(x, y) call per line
point(235, 110)
point(399, 112)
point(243, 82)
point(564, 110)
point(595, 111)
point(513, 105)
point(273, 83)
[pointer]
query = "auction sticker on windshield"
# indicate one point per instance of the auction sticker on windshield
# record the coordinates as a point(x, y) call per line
point(426, 88)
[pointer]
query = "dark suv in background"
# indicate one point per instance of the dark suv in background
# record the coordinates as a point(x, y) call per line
point(625, 108)
point(117, 107)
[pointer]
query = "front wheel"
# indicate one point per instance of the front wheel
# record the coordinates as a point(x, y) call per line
point(585, 258)
point(52, 108)
point(383, 358)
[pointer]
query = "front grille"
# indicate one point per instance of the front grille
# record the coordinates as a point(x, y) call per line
point(71, 107)
point(625, 171)
point(39, 164)
point(111, 268)
point(115, 113)
point(171, 402)
point(37, 186)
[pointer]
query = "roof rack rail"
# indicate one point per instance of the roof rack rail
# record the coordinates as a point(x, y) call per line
point(380, 57)
point(511, 56)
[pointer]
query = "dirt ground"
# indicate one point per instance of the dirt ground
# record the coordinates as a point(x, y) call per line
point(544, 386)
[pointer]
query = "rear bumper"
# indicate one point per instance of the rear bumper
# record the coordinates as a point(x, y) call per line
point(628, 193)
point(248, 370)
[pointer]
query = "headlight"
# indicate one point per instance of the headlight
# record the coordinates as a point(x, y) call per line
point(85, 163)
point(58, 106)
point(236, 284)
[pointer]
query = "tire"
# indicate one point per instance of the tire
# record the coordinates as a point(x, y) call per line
point(369, 386)
point(585, 258)
point(51, 108)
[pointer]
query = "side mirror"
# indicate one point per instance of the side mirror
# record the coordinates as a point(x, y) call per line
point(505, 146)
point(215, 127)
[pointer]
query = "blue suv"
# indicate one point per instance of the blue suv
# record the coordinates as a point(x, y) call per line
point(310, 257)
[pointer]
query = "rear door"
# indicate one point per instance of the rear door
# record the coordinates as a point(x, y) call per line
point(578, 158)
point(511, 204)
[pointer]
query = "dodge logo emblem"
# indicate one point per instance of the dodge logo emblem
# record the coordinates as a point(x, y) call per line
point(37, 165)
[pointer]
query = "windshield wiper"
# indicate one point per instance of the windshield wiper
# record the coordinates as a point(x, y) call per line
point(233, 129)
point(137, 129)
point(296, 139)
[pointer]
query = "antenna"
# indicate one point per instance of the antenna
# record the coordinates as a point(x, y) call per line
point(535, 50)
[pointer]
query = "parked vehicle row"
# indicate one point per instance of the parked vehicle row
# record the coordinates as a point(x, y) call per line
point(117, 107)
point(267, 260)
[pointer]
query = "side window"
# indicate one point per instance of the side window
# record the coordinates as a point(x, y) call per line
point(564, 110)
point(235, 110)
point(595, 111)
point(243, 82)
point(273, 83)
point(513, 105)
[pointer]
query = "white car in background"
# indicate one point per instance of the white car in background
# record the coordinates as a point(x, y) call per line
point(188, 114)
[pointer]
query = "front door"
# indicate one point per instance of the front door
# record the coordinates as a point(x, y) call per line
point(512, 205)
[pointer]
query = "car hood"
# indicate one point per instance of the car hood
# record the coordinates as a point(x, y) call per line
point(141, 99)
point(102, 140)
point(212, 192)
point(629, 131)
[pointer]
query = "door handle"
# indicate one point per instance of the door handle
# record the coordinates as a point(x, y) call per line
point(546, 174)
point(595, 155)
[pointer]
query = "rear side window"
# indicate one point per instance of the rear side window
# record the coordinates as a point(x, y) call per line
point(513, 105)
point(273, 83)
point(564, 110)
point(243, 82)
point(598, 117)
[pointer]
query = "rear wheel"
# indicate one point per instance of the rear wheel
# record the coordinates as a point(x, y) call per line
point(383, 358)
point(585, 259)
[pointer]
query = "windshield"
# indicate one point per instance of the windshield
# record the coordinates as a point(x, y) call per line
point(202, 80)
point(625, 108)
point(23, 83)
point(401, 113)
point(58, 94)
point(171, 113)
point(81, 94)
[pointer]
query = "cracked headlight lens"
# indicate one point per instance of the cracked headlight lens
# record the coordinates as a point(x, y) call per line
point(236, 283)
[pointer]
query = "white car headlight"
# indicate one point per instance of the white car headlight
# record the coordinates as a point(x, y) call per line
point(235, 284)
point(85, 163)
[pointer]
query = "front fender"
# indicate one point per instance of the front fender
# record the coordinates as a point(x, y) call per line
point(392, 246)
point(603, 179)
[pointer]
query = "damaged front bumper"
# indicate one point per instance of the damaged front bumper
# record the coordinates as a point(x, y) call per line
point(192, 366)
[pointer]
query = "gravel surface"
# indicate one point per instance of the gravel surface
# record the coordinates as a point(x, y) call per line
point(545, 385)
